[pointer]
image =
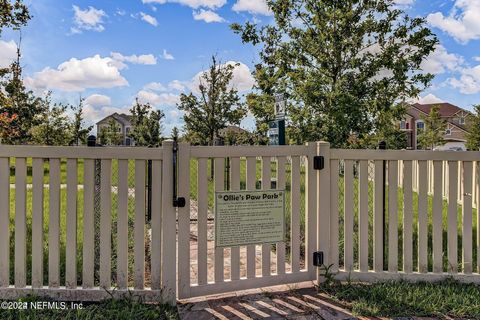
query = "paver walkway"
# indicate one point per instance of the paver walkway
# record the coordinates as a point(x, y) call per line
point(301, 301)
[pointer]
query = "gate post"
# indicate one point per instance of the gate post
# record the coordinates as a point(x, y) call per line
point(183, 187)
point(169, 227)
point(323, 207)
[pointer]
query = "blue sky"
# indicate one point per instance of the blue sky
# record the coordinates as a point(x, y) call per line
point(111, 51)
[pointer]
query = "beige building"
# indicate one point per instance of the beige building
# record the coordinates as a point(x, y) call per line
point(125, 126)
point(457, 124)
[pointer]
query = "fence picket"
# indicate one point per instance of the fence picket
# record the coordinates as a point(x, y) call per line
point(393, 216)
point(4, 222)
point(202, 187)
point(349, 215)
point(37, 223)
point(378, 217)
point(281, 185)
point(88, 224)
point(363, 216)
point(219, 186)
point(422, 216)
point(156, 223)
point(235, 186)
point(54, 225)
point(295, 214)
point(139, 225)
point(312, 197)
point(20, 222)
point(122, 226)
point(105, 223)
point(437, 216)
point(334, 227)
point(266, 185)
point(452, 216)
point(71, 245)
point(251, 181)
point(407, 217)
point(467, 217)
point(477, 183)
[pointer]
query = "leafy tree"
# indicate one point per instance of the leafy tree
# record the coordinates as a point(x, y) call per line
point(341, 64)
point(432, 135)
point(387, 130)
point(175, 134)
point(473, 137)
point(54, 126)
point(111, 135)
point(16, 100)
point(217, 105)
point(13, 14)
point(79, 131)
point(147, 125)
point(6, 128)
point(14, 122)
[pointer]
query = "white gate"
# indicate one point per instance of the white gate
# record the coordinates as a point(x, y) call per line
point(204, 269)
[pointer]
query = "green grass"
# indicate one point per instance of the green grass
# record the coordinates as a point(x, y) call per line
point(125, 309)
point(448, 299)
point(63, 200)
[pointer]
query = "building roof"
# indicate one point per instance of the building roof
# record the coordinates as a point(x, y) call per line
point(234, 129)
point(123, 118)
point(445, 109)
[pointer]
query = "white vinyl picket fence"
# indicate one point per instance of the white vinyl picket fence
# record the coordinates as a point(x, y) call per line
point(411, 252)
point(49, 212)
point(67, 243)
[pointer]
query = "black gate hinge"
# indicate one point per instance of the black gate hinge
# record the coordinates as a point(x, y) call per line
point(318, 163)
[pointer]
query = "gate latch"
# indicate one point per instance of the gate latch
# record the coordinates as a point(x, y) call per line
point(318, 259)
point(318, 162)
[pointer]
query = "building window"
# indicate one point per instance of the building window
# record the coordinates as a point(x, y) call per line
point(403, 124)
point(448, 132)
point(420, 125)
point(462, 120)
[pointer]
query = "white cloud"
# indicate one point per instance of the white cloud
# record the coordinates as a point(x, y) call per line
point(207, 15)
point(463, 22)
point(212, 4)
point(242, 78)
point(440, 61)
point(174, 85)
point(8, 53)
point(167, 56)
point(149, 19)
point(88, 19)
point(252, 6)
point(147, 59)
point(158, 99)
point(404, 2)
point(429, 99)
point(93, 114)
point(469, 81)
point(98, 100)
point(476, 58)
point(78, 75)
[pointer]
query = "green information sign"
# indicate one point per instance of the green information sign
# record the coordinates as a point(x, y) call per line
point(249, 217)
